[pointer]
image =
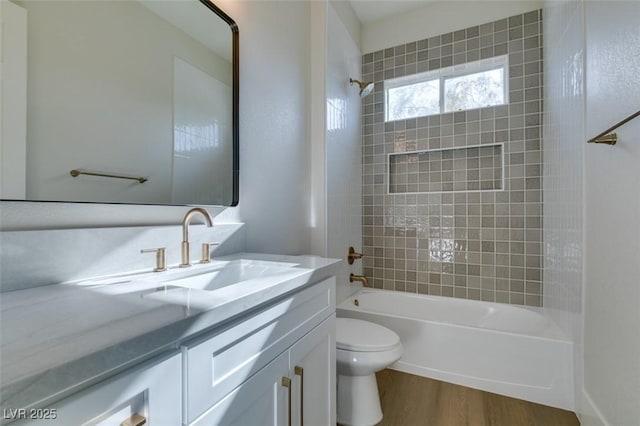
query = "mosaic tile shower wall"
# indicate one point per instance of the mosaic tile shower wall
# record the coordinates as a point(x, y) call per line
point(478, 244)
point(459, 169)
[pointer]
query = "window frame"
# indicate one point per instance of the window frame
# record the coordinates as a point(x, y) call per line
point(447, 73)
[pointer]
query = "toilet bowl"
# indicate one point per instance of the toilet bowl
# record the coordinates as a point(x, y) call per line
point(362, 348)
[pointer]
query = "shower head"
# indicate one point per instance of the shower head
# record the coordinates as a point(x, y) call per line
point(365, 88)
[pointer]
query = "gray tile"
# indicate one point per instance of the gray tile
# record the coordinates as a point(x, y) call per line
point(474, 43)
point(459, 35)
point(501, 37)
point(502, 24)
point(531, 42)
point(482, 245)
point(531, 17)
point(486, 29)
point(473, 32)
point(515, 21)
point(515, 33)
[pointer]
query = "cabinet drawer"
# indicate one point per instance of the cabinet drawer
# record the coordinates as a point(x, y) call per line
point(218, 363)
point(151, 391)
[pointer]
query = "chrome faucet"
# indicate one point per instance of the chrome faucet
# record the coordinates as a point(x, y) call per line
point(185, 232)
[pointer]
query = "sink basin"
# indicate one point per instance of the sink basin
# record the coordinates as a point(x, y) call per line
point(225, 273)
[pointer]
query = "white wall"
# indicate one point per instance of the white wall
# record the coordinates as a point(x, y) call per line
point(43, 257)
point(343, 149)
point(348, 18)
point(438, 18)
point(274, 148)
point(336, 171)
point(274, 124)
point(564, 146)
point(612, 188)
point(318, 127)
point(592, 63)
point(13, 100)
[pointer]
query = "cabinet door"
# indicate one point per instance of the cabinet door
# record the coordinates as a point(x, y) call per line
point(263, 400)
point(312, 366)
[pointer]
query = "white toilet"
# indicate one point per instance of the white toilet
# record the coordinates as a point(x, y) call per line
point(362, 348)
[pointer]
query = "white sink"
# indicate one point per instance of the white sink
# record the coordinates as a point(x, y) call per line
point(224, 273)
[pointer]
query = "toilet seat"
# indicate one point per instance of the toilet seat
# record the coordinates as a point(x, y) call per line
point(363, 336)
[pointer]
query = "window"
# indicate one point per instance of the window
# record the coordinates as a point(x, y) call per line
point(413, 100)
point(472, 85)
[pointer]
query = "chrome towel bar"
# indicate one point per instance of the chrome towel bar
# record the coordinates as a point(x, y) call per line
point(76, 173)
point(609, 138)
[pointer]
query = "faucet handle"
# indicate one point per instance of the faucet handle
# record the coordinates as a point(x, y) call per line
point(161, 258)
point(206, 252)
point(353, 255)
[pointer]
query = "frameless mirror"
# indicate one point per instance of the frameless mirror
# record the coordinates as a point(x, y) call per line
point(131, 101)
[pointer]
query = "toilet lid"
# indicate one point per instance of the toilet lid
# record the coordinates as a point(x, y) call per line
point(363, 336)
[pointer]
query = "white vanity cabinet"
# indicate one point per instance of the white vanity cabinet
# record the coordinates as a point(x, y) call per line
point(272, 366)
point(276, 367)
point(297, 388)
point(150, 393)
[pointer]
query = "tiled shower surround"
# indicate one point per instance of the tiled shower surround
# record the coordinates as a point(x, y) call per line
point(478, 244)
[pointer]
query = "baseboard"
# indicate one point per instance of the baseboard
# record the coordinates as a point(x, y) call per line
point(589, 414)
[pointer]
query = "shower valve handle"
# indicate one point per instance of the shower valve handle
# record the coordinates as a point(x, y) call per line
point(353, 255)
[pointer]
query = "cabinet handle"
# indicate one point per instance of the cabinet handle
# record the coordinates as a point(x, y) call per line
point(286, 382)
point(134, 420)
point(299, 371)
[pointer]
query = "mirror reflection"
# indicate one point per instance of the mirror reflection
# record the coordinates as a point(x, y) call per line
point(135, 97)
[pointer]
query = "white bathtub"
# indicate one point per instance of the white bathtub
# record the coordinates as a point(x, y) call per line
point(499, 348)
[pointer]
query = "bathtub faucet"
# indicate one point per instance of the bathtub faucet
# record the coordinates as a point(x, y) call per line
point(362, 278)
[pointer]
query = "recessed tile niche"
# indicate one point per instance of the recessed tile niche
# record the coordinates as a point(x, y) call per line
point(476, 168)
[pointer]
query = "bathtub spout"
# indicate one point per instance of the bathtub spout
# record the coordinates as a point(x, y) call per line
point(362, 278)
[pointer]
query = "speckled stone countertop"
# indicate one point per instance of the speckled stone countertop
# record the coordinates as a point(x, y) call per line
point(58, 339)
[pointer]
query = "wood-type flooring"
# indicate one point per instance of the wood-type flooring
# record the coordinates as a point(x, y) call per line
point(409, 400)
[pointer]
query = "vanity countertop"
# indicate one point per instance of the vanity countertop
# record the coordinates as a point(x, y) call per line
point(58, 339)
